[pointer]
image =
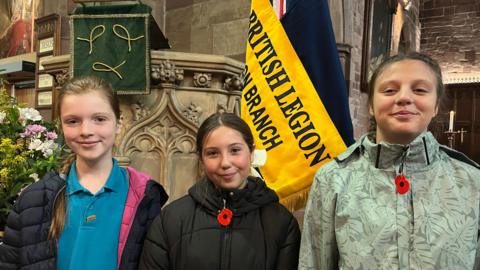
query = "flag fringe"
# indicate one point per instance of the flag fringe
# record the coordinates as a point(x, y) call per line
point(296, 200)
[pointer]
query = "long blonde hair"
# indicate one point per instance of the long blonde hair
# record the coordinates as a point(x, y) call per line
point(77, 86)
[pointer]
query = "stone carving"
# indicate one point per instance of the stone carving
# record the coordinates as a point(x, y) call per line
point(62, 77)
point(233, 83)
point(202, 79)
point(159, 146)
point(138, 110)
point(166, 72)
point(192, 113)
point(221, 108)
point(166, 128)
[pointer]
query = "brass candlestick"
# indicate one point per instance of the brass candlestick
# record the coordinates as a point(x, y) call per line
point(451, 136)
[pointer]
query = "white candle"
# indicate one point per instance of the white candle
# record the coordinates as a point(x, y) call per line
point(450, 124)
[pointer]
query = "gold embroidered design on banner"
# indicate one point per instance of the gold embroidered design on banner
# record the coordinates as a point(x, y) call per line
point(93, 38)
point(127, 38)
point(108, 68)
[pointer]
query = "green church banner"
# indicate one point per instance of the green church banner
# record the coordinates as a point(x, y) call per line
point(112, 42)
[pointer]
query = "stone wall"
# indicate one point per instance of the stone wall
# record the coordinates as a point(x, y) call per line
point(450, 34)
point(211, 27)
point(353, 35)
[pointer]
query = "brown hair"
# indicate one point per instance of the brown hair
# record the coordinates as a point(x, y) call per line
point(77, 86)
point(229, 120)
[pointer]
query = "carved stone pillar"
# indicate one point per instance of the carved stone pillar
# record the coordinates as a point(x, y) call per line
point(158, 130)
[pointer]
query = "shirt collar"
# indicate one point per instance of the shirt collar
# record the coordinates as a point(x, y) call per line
point(115, 181)
point(73, 186)
point(117, 178)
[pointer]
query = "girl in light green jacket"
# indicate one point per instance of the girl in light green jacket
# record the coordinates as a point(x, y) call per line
point(396, 199)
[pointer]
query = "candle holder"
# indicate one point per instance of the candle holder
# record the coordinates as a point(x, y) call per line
point(451, 136)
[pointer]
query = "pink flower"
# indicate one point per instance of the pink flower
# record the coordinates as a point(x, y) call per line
point(31, 130)
point(51, 135)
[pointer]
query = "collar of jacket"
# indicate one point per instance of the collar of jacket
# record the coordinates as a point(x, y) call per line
point(418, 155)
point(255, 195)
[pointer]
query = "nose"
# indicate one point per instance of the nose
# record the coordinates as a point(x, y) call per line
point(225, 161)
point(404, 97)
point(86, 129)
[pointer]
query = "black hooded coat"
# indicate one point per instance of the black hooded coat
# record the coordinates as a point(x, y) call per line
point(262, 234)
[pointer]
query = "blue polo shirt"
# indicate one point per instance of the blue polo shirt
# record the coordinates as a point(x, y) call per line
point(92, 227)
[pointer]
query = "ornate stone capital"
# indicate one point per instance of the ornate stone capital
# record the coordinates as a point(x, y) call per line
point(202, 79)
point(192, 113)
point(166, 72)
point(233, 83)
point(139, 110)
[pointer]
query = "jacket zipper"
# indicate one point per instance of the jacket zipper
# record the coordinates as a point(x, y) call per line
point(225, 248)
point(227, 231)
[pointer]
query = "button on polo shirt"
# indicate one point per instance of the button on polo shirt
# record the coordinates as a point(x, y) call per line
point(92, 227)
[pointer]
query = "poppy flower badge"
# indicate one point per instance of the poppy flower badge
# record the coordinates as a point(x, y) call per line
point(225, 217)
point(402, 184)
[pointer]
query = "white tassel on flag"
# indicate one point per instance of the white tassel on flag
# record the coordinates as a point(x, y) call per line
point(259, 159)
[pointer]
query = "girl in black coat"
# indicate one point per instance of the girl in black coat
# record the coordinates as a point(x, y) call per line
point(229, 220)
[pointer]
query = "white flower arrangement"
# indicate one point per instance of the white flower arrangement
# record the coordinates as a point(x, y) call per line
point(28, 149)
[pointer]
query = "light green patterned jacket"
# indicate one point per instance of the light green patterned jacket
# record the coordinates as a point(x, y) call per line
point(355, 219)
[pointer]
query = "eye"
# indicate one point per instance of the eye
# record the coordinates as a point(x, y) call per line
point(211, 153)
point(236, 150)
point(100, 119)
point(389, 91)
point(421, 90)
point(70, 121)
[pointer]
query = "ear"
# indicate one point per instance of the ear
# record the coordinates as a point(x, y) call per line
point(436, 110)
point(370, 110)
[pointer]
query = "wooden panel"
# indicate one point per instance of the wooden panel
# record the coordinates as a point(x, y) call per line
point(466, 105)
point(48, 45)
point(26, 96)
point(475, 141)
point(464, 99)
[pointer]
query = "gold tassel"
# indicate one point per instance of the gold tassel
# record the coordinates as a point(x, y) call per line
point(296, 200)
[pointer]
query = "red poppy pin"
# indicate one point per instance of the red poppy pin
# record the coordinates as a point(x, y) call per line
point(402, 184)
point(225, 217)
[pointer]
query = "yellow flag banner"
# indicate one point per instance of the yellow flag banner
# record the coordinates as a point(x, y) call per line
point(284, 110)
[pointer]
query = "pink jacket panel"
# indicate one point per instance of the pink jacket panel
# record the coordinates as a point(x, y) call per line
point(136, 192)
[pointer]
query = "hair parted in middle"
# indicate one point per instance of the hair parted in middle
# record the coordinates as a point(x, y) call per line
point(225, 119)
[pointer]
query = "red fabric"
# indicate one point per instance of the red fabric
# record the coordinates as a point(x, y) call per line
point(20, 33)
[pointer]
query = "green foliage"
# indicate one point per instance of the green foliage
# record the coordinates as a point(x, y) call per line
point(29, 149)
